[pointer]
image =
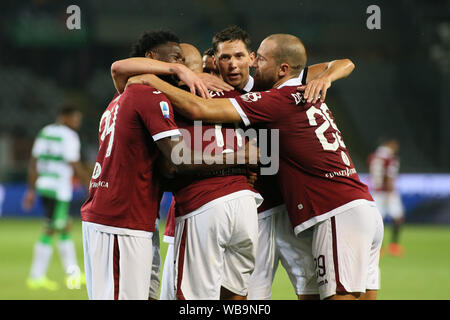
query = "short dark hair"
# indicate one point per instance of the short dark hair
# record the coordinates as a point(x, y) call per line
point(231, 33)
point(151, 39)
point(208, 52)
point(67, 109)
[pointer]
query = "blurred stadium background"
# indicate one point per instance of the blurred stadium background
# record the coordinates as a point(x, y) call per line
point(400, 88)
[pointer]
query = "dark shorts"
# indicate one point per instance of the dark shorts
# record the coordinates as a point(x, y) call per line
point(56, 213)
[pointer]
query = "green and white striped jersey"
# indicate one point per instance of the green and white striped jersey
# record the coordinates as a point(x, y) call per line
point(55, 147)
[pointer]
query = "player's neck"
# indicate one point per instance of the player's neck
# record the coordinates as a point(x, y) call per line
point(282, 80)
point(243, 84)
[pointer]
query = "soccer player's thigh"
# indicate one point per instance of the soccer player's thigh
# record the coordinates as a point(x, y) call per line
point(240, 253)
point(156, 265)
point(262, 277)
point(199, 246)
point(395, 206)
point(167, 280)
point(135, 256)
point(116, 266)
point(49, 210)
point(381, 201)
point(346, 250)
point(295, 254)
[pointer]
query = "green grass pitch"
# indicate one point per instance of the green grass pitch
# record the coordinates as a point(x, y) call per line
point(423, 273)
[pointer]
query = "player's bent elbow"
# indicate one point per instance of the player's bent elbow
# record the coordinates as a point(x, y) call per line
point(350, 65)
point(117, 69)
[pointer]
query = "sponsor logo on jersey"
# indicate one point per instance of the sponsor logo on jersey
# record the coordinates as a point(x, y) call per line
point(97, 171)
point(347, 172)
point(251, 96)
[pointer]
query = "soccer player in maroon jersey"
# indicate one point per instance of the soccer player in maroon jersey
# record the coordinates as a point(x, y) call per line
point(120, 212)
point(233, 57)
point(384, 165)
point(216, 203)
point(319, 183)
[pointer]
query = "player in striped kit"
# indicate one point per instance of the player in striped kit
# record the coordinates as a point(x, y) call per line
point(384, 166)
point(55, 159)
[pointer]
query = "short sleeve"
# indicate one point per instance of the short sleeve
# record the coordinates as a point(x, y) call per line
point(258, 107)
point(71, 147)
point(37, 147)
point(156, 112)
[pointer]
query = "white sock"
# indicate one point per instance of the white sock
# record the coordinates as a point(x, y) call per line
point(41, 259)
point(68, 256)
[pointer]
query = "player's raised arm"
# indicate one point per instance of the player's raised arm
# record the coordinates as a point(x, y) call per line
point(320, 76)
point(190, 105)
point(122, 70)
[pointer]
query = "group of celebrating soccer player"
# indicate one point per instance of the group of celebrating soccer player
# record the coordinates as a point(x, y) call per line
point(230, 221)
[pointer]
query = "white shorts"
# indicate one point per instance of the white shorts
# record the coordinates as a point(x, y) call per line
point(117, 266)
point(389, 204)
point(260, 282)
point(167, 281)
point(277, 243)
point(346, 250)
point(156, 264)
point(295, 255)
point(216, 248)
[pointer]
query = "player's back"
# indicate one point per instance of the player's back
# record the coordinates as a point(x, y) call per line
point(124, 191)
point(316, 174)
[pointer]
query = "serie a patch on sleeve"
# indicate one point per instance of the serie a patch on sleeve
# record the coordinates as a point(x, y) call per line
point(165, 109)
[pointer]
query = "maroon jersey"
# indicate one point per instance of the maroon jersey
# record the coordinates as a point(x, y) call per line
point(123, 191)
point(215, 139)
point(316, 175)
point(383, 165)
point(266, 186)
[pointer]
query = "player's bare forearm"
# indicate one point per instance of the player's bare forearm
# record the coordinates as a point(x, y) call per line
point(121, 70)
point(334, 70)
point(190, 105)
point(82, 174)
point(321, 76)
point(32, 173)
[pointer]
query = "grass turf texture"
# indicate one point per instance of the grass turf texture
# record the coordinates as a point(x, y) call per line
point(423, 273)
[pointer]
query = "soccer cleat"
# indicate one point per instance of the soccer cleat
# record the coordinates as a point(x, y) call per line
point(396, 250)
point(42, 282)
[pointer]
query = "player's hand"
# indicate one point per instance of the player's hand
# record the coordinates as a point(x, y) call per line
point(251, 178)
point(315, 88)
point(214, 83)
point(28, 200)
point(192, 80)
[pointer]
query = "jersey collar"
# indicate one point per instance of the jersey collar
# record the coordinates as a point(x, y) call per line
point(249, 86)
point(291, 82)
